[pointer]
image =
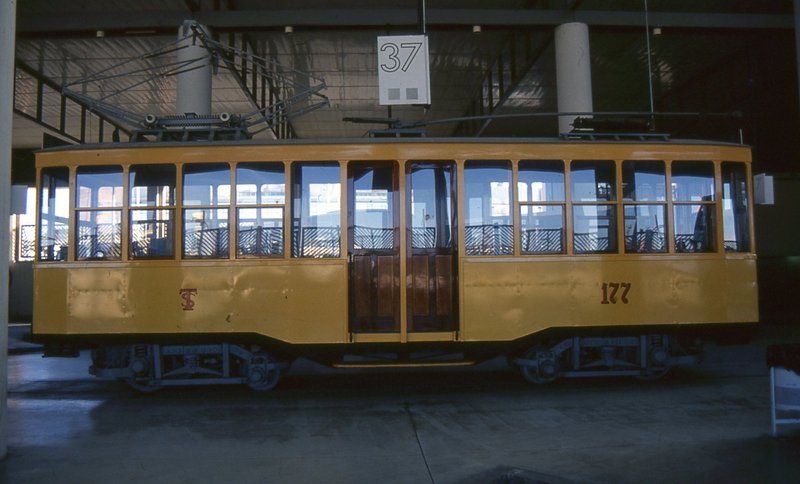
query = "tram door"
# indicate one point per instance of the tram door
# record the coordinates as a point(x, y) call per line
point(431, 265)
point(373, 250)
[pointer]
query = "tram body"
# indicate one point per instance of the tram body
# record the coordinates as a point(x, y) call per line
point(217, 262)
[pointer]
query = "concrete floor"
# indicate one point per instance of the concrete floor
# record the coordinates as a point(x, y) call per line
point(710, 423)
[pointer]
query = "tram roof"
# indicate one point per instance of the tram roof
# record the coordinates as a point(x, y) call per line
point(378, 141)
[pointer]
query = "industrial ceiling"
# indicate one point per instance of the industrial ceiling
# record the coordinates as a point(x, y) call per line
point(486, 57)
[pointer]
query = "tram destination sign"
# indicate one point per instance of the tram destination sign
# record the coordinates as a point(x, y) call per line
point(403, 70)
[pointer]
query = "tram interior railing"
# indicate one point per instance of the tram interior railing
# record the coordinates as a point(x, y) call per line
point(101, 241)
point(324, 242)
point(543, 241)
point(261, 241)
point(489, 239)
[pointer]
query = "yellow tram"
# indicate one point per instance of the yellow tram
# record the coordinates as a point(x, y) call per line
point(200, 262)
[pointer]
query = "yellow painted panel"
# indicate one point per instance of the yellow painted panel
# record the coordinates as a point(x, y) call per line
point(508, 299)
point(50, 300)
point(293, 302)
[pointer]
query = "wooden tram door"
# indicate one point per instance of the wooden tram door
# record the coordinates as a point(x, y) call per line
point(373, 247)
point(431, 247)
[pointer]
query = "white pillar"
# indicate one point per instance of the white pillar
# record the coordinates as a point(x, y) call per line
point(8, 16)
point(194, 85)
point(573, 72)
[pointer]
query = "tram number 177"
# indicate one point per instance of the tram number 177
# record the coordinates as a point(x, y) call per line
point(615, 291)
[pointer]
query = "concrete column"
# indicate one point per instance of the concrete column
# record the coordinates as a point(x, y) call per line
point(8, 17)
point(573, 72)
point(194, 85)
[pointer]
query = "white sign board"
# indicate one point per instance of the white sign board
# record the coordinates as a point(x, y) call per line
point(764, 189)
point(403, 70)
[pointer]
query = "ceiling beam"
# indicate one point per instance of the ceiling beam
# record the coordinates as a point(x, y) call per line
point(315, 18)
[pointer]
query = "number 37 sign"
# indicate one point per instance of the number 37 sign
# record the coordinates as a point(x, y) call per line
point(403, 70)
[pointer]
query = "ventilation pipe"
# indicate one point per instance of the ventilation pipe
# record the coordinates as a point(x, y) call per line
point(194, 80)
point(573, 72)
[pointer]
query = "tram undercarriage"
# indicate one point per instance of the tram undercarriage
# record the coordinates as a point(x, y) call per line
point(149, 367)
point(645, 356)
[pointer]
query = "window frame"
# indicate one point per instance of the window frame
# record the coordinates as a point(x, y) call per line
point(635, 203)
point(237, 206)
point(611, 204)
point(504, 251)
point(711, 208)
point(93, 210)
point(224, 254)
point(172, 208)
point(529, 204)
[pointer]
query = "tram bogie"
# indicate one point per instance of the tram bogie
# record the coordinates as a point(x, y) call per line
point(647, 357)
point(149, 367)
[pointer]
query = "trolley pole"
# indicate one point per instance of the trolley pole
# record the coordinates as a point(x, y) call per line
point(8, 16)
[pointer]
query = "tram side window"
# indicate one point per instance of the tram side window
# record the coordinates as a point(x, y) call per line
point(54, 215)
point(644, 185)
point(735, 207)
point(260, 200)
point(206, 198)
point(693, 206)
point(541, 205)
point(152, 222)
point(594, 215)
point(487, 192)
point(432, 218)
point(98, 213)
point(316, 210)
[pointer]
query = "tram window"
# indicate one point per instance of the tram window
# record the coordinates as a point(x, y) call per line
point(99, 214)
point(594, 225)
point(432, 217)
point(692, 181)
point(152, 228)
point(594, 229)
point(206, 188)
point(206, 184)
point(593, 181)
point(54, 215)
point(487, 192)
point(152, 185)
point(260, 199)
point(542, 225)
point(373, 218)
point(316, 210)
point(644, 181)
point(693, 209)
point(735, 207)
point(541, 181)
point(644, 228)
point(542, 229)
point(694, 227)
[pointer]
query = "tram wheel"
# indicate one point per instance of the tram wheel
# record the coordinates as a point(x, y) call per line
point(545, 371)
point(657, 364)
point(262, 373)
